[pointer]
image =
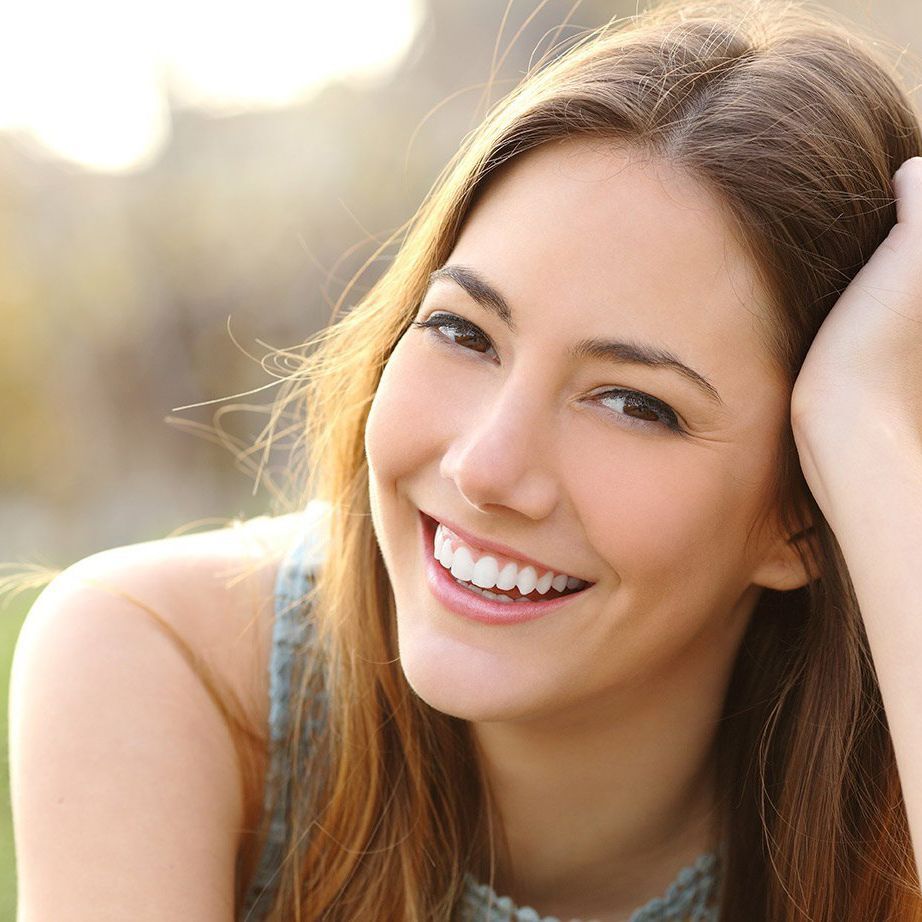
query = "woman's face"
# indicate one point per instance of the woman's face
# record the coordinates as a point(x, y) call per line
point(505, 432)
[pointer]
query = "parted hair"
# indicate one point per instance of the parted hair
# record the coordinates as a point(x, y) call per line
point(795, 122)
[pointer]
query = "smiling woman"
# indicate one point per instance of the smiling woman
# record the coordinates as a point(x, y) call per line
point(575, 635)
point(573, 458)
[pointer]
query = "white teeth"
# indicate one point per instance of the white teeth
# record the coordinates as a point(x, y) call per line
point(447, 554)
point(528, 577)
point(507, 576)
point(462, 564)
point(496, 597)
point(484, 573)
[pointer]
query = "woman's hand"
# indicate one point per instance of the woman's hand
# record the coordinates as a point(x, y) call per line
point(856, 413)
point(857, 402)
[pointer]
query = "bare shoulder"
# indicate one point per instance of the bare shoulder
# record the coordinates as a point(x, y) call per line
point(213, 588)
point(125, 780)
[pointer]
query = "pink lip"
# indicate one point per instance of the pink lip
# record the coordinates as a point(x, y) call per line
point(470, 605)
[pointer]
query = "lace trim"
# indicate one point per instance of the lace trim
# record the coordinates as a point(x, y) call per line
point(689, 898)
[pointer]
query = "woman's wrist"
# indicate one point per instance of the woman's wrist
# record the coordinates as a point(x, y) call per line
point(871, 466)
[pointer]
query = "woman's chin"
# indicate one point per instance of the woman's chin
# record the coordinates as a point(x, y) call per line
point(467, 683)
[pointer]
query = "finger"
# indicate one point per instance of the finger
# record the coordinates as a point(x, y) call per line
point(905, 235)
point(907, 185)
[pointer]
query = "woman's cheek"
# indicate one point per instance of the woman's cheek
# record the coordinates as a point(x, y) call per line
point(652, 503)
point(405, 412)
point(642, 496)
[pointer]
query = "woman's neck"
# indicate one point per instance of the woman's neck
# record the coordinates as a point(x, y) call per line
point(600, 812)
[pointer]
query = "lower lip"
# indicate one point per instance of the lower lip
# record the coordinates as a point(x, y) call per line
point(473, 606)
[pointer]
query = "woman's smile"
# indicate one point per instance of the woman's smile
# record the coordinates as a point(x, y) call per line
point(474, 604)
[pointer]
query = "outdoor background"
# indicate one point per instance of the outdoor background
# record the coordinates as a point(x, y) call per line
point(184, 186)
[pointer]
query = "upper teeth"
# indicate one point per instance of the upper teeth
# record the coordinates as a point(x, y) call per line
point(486, 570)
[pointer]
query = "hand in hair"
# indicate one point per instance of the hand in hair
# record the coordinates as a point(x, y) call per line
point(858, 398)
point(857, 417)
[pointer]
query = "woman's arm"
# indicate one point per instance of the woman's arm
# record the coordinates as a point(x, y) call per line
point(126, 787)
point(857, 418)
point(125, 799)
point(875, 511)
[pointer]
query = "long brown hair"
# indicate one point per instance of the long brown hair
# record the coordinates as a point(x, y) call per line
point(796, 126)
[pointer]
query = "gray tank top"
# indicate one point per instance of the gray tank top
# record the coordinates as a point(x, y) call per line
point(688, 898)
point(288, 632)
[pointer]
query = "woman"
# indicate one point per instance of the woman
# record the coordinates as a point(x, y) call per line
point(651, 348)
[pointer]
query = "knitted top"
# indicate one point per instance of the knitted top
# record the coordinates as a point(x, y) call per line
point(690, 898)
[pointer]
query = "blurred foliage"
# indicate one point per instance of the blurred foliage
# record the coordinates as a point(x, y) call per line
point(118, 292)
point(11, 618)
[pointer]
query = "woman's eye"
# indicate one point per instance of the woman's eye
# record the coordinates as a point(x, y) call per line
point(642, 408)
point(462, 332)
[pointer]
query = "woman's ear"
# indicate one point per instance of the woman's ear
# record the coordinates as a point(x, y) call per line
point(790, 561)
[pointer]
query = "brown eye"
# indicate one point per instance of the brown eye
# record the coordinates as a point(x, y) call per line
point(644, 413)
point(461, 332)
point(641, 408)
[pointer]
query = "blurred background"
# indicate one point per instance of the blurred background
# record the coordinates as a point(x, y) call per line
point(184, 186)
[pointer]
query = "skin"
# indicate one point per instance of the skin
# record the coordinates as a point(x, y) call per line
point(596, 724)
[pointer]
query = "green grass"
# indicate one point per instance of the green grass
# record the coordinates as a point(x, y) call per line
point(11, 618)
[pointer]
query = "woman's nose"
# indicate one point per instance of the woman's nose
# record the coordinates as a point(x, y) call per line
point(504, 454)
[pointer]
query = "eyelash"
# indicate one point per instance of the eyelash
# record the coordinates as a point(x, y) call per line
point(638, 400)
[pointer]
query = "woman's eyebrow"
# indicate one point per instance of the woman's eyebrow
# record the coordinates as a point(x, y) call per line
point(610, 350)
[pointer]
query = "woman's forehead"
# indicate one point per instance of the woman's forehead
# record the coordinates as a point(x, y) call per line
point(616, 238)
point(611, 212)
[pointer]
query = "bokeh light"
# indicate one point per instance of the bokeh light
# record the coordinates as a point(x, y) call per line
point(94, 82)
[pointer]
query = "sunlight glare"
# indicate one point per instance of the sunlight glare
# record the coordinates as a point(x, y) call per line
point(94, 82)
